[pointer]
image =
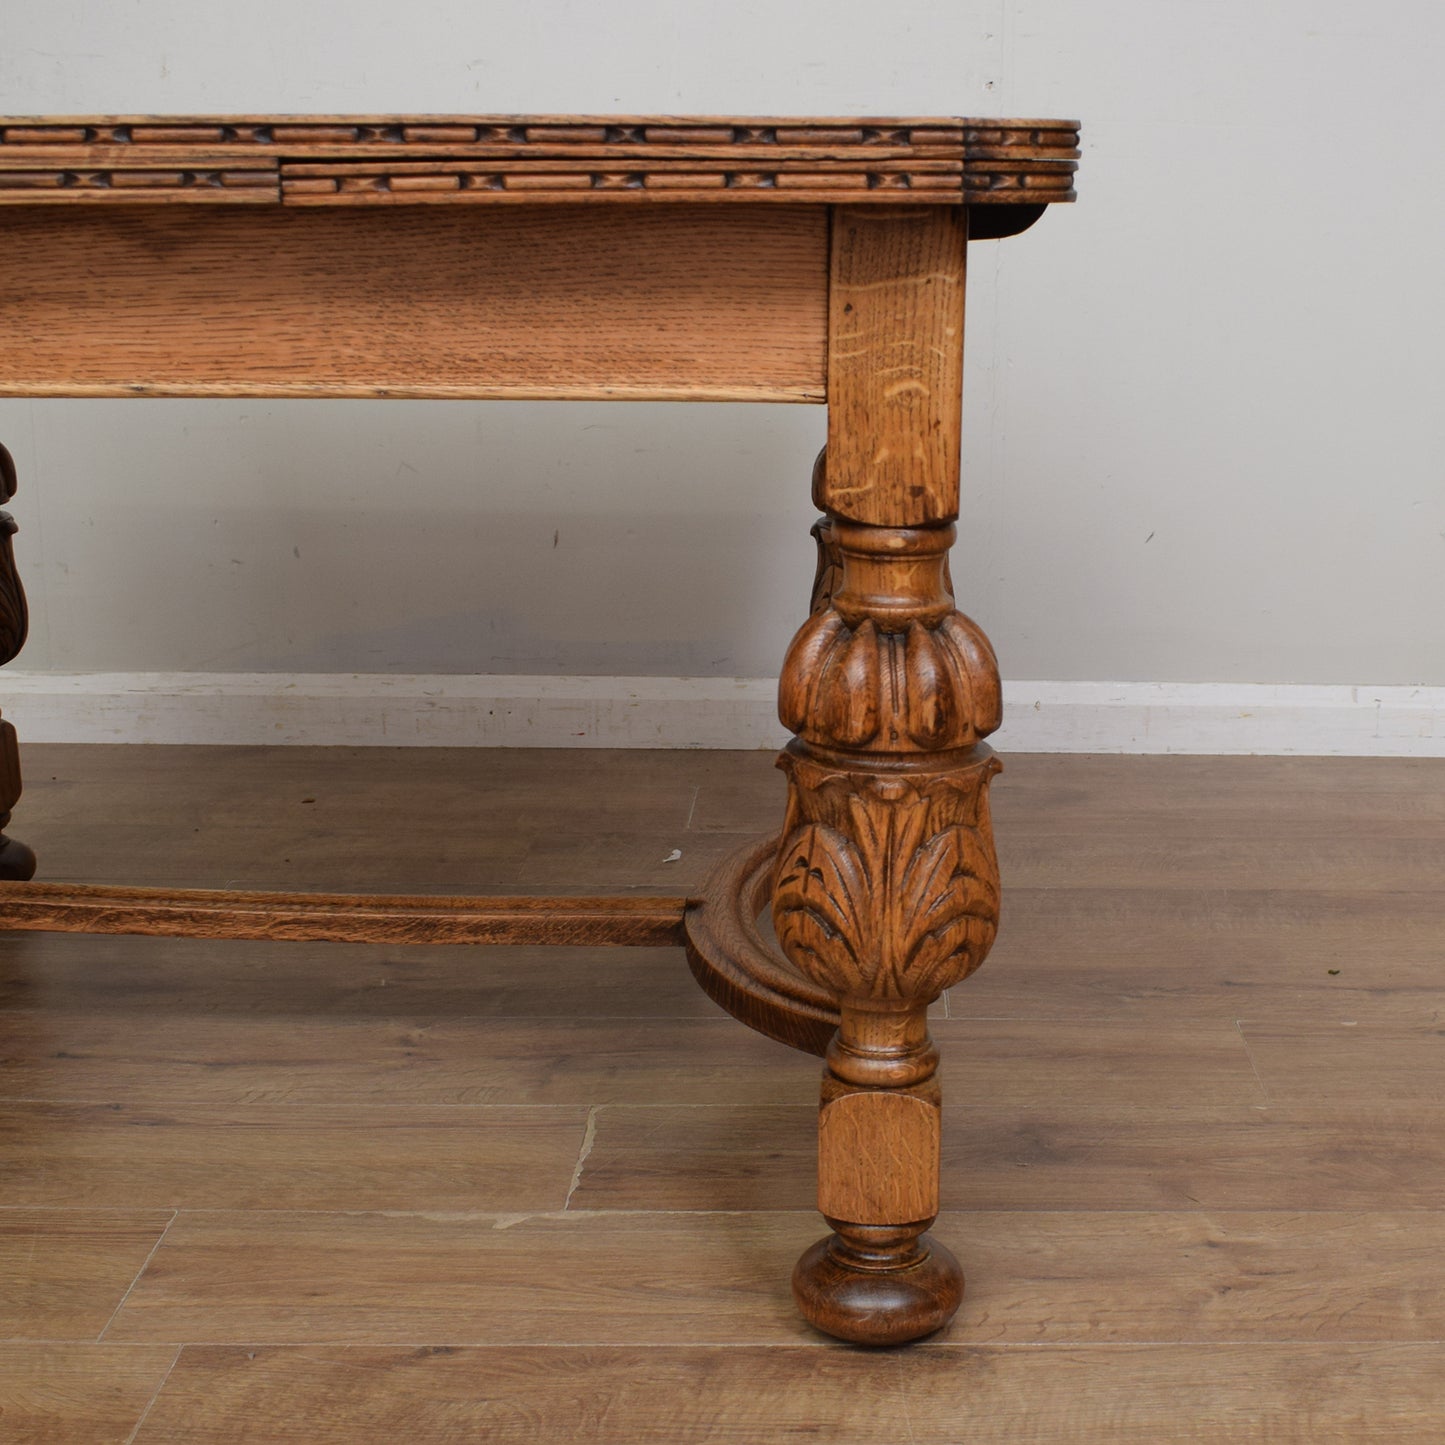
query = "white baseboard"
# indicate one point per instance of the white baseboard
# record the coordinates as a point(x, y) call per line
point(362, 710)
point(1222, 717)
point(387, 710)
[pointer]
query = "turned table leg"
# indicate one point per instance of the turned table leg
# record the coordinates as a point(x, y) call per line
point(886, 893)
point(886, 889)
point(17, 862)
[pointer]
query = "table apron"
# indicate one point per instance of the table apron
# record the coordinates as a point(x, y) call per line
point(677, 302)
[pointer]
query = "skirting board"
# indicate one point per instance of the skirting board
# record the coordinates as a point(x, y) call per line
point(376, 709)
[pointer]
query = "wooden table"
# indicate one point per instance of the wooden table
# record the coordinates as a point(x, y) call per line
point(572, 257)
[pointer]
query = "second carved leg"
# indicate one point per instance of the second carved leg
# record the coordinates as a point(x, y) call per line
point(17, 862)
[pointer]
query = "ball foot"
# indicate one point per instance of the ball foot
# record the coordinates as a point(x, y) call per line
point(17, 862)
point(878, 1285)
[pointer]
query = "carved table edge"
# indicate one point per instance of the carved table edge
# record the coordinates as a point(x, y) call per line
point(431, 159)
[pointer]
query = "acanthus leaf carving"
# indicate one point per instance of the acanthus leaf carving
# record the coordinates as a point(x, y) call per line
point(887, 885)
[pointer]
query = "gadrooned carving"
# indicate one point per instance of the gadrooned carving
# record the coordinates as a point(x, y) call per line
point(925, 688)
point(887, 885)
point(885, 663)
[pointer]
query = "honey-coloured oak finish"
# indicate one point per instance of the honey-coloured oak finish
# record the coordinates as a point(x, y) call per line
point(556, 302)
point(342, 918)
point(895, 366)
point(689, 258)
point(887, 893)
point(452, 160)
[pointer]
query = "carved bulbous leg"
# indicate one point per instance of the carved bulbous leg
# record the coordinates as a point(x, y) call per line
point(17, 862)
point(886, 893)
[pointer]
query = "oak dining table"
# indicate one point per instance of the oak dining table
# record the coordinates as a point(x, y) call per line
point(714, 258)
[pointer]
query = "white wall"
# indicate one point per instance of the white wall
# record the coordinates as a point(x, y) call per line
point(1204, 421)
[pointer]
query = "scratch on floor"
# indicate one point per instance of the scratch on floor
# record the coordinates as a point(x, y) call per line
point(508, 1221)
point(589, 1138)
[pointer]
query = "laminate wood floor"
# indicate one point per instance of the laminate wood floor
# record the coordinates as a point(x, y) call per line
point(1194, 1155)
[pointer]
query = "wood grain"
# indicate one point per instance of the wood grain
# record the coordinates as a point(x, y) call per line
point(65, 1271)
point(1068, 1155)
point(363, 1395)
point(1176, 953)
point(469, 1279)
point(246, 1055)
point(731, 958)
point(1113, 1065)
point(1109, 790)
point(1123, 1277)
point(501, 792)
point(249, 1058)
point(1297, 1394)
point(1237, 1263)
point(259, 1156)
point(1351, 1062)
point(329, 819)
point(895, 366)
point(77, 1394)
point(560, 301)
point(1175, 854)
point(339, 918)
point(1188, 1394)
point(1071, 1277)
point(67, 974)
point(1340, 827)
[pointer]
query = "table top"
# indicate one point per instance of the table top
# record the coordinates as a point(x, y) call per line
point(332, 160)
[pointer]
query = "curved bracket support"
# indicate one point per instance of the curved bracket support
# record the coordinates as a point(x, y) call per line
point(993, 223)
point(740, 969)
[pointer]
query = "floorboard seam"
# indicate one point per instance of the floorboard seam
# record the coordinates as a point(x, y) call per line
point(1254, 1067)
point(150, 1404)
point(146, 1264)
point(481, 1215)
point(903, 1399)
